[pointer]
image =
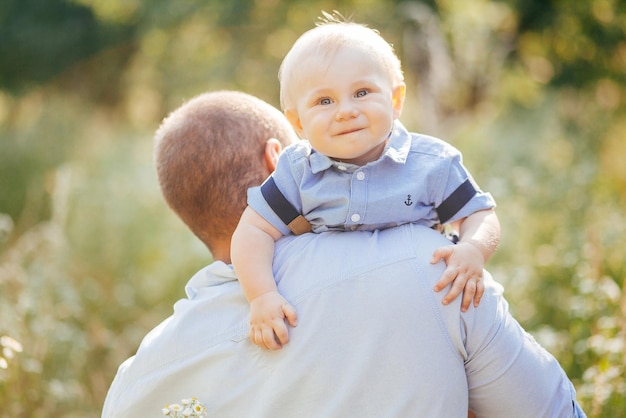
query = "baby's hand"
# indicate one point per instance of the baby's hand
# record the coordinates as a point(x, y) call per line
point(267, 320)
point(464, 269)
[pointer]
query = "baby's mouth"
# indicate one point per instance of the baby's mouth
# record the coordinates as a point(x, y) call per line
point(349, 131)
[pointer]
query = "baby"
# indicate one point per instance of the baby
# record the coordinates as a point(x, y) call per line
point(342, 89)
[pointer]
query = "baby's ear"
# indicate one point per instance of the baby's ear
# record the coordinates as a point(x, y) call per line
point(294, 119)
point(399, 93)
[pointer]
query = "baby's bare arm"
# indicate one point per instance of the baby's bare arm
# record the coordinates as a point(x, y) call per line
point(479, 238)
point(252, 252)
point(482, 229)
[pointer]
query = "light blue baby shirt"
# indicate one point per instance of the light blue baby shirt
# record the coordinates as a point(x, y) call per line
point(415, 174)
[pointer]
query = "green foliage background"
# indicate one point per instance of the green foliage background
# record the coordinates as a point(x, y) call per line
point(532, 91)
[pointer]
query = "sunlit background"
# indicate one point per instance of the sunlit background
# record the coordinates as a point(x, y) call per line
point(533, 92)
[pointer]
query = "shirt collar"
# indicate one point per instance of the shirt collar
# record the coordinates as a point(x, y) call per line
point(399, 144)
point(397, 149)
point(214, 274)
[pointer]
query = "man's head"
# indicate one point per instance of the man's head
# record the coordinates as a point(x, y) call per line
point(341, 88)
point(209, 151)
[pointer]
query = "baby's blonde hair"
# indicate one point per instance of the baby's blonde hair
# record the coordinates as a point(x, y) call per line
point(331, 34)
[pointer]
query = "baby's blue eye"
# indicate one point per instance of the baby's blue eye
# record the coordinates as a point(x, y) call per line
point(325, 101)
point(361, 93)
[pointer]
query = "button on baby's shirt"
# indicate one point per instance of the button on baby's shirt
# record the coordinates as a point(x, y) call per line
point(355, 218)
point(360, 175)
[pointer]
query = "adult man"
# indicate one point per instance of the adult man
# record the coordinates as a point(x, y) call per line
point(374, 339)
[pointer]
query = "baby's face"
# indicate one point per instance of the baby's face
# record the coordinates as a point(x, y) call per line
point(345, 105)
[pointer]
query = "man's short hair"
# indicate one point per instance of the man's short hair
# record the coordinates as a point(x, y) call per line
point(209, 151)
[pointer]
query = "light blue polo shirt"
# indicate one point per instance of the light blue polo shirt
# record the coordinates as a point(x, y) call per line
point(415, 174)
point(373, 340)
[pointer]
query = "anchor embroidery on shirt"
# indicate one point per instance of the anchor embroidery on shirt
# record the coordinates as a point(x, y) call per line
point(408, 200)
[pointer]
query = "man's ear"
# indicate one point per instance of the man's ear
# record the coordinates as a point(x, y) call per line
point(294, 119)
point(273, 148)
point(398, 99)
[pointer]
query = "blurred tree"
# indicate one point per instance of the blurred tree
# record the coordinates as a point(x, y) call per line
point(583, 42)
point(39, 39)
